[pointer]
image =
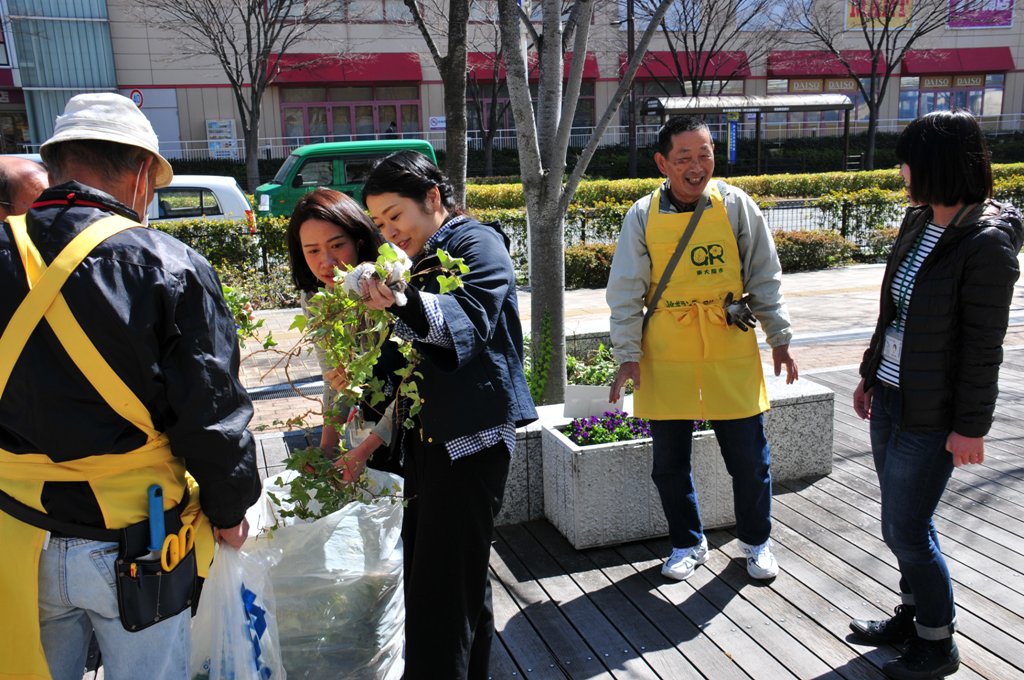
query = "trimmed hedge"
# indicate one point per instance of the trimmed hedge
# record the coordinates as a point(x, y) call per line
point(588, 265)
point(811, 250)
point(813, 185)
point(877, 246)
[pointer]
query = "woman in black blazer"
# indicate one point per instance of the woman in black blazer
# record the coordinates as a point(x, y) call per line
point(474, 396)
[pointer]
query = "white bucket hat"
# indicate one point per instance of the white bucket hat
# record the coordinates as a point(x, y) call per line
point(109, 117)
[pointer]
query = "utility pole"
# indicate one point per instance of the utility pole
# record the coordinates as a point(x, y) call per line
point(630, 49)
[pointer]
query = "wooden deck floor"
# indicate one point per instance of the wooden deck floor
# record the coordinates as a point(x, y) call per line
point(608, 613)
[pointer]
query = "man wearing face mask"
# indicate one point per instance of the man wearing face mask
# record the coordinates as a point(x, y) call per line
point(118, 385)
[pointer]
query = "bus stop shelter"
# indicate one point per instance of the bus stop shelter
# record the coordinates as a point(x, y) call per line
point(665, 107)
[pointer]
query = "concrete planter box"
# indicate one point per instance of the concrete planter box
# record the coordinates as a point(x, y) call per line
point(603, 494)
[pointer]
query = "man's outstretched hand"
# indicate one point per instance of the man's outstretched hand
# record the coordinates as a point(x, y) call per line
point(628, 370)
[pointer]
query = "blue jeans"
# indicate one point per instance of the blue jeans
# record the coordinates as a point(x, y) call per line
point(913, 469)
point(747, 458)
point(77, 596)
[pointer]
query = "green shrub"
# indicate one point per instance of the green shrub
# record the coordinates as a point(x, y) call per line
point(597, 368)
point(265, 290)
point(856, 214)
point(1010, 188)
point(811, 250)
point(877, 245)
point(588, 265)
point(217, 240)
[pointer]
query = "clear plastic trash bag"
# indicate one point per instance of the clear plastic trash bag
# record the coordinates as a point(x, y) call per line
point(234, 632)
point(338, 584)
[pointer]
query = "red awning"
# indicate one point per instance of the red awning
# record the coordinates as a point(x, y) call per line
point(386, 67)
point(481, 65)
point(810, 63)
point(660, 65)
point(958, 60)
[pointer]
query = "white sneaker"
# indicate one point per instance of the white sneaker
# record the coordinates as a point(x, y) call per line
point(683, 561)
point(761, 564)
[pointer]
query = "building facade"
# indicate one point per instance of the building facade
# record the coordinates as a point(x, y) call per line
point(369, 74)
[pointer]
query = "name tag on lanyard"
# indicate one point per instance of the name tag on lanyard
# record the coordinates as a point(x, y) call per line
point(892, 345)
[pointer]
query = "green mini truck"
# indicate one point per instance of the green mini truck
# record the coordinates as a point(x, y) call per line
point(337, 165)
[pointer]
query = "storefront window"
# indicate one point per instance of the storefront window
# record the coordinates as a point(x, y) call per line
point(347, 113)
point(908, 104)
point(981, 95)
point(585, 107)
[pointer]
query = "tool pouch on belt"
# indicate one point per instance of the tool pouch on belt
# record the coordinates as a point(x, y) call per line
point(146, 594)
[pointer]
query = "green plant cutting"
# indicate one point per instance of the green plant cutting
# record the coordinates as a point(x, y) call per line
point(351, 336)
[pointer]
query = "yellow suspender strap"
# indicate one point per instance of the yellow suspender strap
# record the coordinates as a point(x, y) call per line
point(45, 299)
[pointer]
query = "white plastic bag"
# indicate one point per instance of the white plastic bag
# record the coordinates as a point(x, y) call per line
point(234, 632)
point(338, 583)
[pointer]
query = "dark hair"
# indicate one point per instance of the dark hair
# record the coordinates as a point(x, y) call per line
point(110, 159)
point(948, 159)
point(410, 174)
point(676, 125)
point(337, 208)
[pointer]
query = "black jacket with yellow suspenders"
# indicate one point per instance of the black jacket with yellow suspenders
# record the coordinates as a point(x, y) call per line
point(118, 481)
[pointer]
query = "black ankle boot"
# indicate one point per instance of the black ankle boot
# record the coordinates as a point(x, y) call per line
point(925, 660)
point(896, 630)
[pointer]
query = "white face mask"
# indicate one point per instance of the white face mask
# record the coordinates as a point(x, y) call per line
point(144, 212)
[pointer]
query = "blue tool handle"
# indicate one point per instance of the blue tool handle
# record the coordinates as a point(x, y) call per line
point(156, 518)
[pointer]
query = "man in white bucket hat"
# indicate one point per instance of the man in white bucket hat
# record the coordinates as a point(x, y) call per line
point(118, 372)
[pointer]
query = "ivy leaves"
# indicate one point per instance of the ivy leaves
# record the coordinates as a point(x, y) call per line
point(352, 335)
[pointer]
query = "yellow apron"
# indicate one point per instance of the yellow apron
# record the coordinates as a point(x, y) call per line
point(119, 481)
point(694, 365)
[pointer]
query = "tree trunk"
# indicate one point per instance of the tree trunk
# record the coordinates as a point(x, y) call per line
point(252, 155)
point(488, 144)
point(869, 155)
point(547, 309)
point(455, 132)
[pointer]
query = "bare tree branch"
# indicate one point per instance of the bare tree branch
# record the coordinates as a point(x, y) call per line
point(613, 107)
point(247, 39)
point(887, 28)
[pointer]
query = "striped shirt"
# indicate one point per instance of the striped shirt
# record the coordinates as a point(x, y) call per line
point(439, 334)
point(901, 290)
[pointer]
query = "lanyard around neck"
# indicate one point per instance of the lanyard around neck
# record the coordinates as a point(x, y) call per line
point(907, 284)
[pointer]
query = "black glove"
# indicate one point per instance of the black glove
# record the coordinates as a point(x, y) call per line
point(737, 312)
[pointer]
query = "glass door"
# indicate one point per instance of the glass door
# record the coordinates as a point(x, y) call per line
point(341, 118)
point(387, 117)
point(364, 120)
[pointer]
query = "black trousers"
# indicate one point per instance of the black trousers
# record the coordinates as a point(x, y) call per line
point(447, 532)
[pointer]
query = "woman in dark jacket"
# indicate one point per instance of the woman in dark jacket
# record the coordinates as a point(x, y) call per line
point(474, 396)
point(930, 376)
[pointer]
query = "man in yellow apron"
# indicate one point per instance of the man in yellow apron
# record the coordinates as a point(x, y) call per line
point(690, 358)
point(118, 372)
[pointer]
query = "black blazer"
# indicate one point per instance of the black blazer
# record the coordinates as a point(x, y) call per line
point(479, 383)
